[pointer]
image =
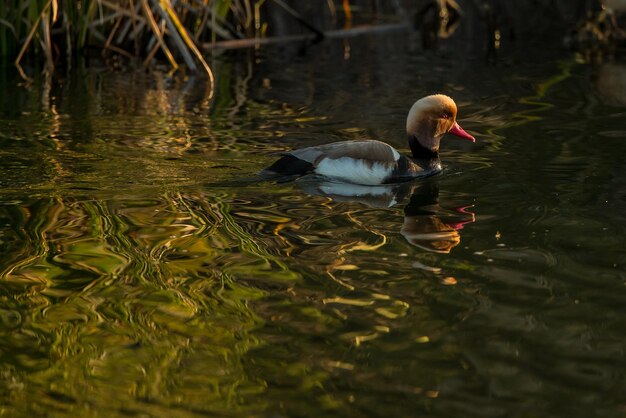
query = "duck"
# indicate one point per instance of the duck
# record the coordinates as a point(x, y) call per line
point(370, 162)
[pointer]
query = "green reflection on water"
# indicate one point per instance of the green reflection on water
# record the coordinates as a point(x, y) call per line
point(146, 271)
point(124, 298)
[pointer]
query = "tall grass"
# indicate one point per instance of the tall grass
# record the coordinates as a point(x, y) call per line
point(57, 30)
point(52, 32)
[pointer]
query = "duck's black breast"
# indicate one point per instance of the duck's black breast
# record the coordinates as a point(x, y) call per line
point(407, 169)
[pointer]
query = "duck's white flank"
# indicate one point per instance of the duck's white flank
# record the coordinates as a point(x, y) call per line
point(356, 170)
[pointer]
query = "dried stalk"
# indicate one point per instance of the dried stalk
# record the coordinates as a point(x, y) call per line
point(174, 33)
point(185, 36)
point(28, 41)
point(158, 35)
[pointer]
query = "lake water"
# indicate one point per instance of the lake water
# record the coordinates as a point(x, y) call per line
point(146, 271)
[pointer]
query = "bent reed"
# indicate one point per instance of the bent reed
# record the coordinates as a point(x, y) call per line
point(58, 29)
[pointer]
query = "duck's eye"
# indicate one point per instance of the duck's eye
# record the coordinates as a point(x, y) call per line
point(444, 116)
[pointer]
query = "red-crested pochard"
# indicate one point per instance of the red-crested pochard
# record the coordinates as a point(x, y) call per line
point(371, 162)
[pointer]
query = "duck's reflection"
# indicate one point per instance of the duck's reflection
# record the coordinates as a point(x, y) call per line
point(426, 224)
point(383, 196)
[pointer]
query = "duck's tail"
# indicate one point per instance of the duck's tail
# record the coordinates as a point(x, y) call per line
point(287, 168)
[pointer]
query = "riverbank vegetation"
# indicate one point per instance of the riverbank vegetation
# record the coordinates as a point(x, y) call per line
point(51, 33)
point(57, 30)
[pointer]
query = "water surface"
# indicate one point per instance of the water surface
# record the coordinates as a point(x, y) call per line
point(147, 271)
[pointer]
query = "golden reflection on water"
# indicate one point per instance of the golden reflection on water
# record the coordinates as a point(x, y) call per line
point(122, 292)
point(131, 282)
point(361, 225)
point(133, 295)
point(146, 271)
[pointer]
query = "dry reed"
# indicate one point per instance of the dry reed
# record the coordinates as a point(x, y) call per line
point(58, 30)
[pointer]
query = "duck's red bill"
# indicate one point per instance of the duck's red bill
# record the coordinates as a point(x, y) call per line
point(460, 132)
